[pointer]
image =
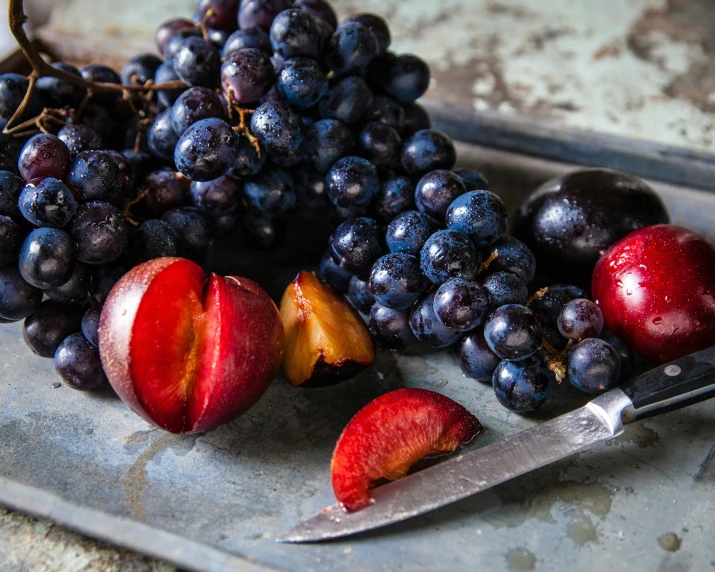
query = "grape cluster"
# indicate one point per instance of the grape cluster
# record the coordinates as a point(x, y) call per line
point(426, 257)
point(283, 110)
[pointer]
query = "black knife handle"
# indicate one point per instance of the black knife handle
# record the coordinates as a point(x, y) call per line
point(685, 381)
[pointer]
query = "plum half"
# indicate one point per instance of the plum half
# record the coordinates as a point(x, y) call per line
point(186, 351)
point(567, 222)
point(390, 434)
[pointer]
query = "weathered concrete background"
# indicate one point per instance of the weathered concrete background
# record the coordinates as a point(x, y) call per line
point(636, 68)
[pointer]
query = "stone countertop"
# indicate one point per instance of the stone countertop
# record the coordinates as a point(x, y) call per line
point(634, 68)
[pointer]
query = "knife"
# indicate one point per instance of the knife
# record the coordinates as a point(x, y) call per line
point(680, 383)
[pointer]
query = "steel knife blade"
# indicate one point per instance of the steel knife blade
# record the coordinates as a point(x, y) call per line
point(680, 383)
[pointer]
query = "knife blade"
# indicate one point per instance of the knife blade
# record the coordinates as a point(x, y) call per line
point(685, 381)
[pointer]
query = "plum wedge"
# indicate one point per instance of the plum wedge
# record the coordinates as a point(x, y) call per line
point(390, 434)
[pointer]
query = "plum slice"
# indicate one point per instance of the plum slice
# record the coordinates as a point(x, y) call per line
point(391, 433)
point(326, 340)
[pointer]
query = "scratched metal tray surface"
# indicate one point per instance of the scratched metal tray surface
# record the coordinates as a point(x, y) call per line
point(216, 501)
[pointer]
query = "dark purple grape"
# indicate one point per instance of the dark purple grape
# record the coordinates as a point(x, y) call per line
point(436, 191)
point(427, 328)
point(177, 39)
point(428, 150)
point(352, 182)
point(625, 354)
point(99, 73)
point(337, 277)
point(260, 13)
point(140, 69)
point(198, 62)
point(194, 104)
point(10, 146)
point(44, 155)
point(513, 332)
point(387, 111)
point(448, 254)
point(192, 228)
point(409, 231)
point(90, 325)
point(7, 164)
point(475, 358)
point(11, 236)
point(44, 330)
point(359, 294)
point(251, 38)
point(100, 232)
point(553, 338)
point(580, 319)
point(206, 150)
point(93, 176)
point(164, 74)
point(513, 256)
point(380, 144)
point(105, 277)
point(58, 93)
point(506, 288)
point(405, 78)
point(278, 128)
point(161, 137)
point(549, 305)
point(262, 233)
point(522, 386)
point(461, 304)
point(217, 38)
point(75, 289)
point(288, 159)
point(153, 238)
point(18, 299)
point(13, 88)
point(10, 188)
point(99, 119)
point(219, 197)
point(391, 328)
point(48, 203)
point(162, 190)
point(301, 82)
point(310, 187)
point(593, 366)
point(351, 49)
point(47, 258)
point(473, 180)
point(325, 33)
point(396, 195)
point(219, 14)
point(396, 281)
point(78, 365)
point(294, 33)
point(326, 141)
point(341, 214)
point(416, 119)
point(377, 26)
point(479, 215)
point(168, 29)
point(319, 9)
point(249, 160)
point(348, 101)
point(79, 138)
point(355, 245)
point(271, 192)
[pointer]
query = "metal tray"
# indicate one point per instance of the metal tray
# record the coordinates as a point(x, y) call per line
point(216, 501)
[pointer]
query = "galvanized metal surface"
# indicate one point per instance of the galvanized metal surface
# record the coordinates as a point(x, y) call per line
point(637, 68)
point(643, 501)
point(468, 473)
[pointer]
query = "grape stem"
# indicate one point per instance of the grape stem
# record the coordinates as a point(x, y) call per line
point(40, 68)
